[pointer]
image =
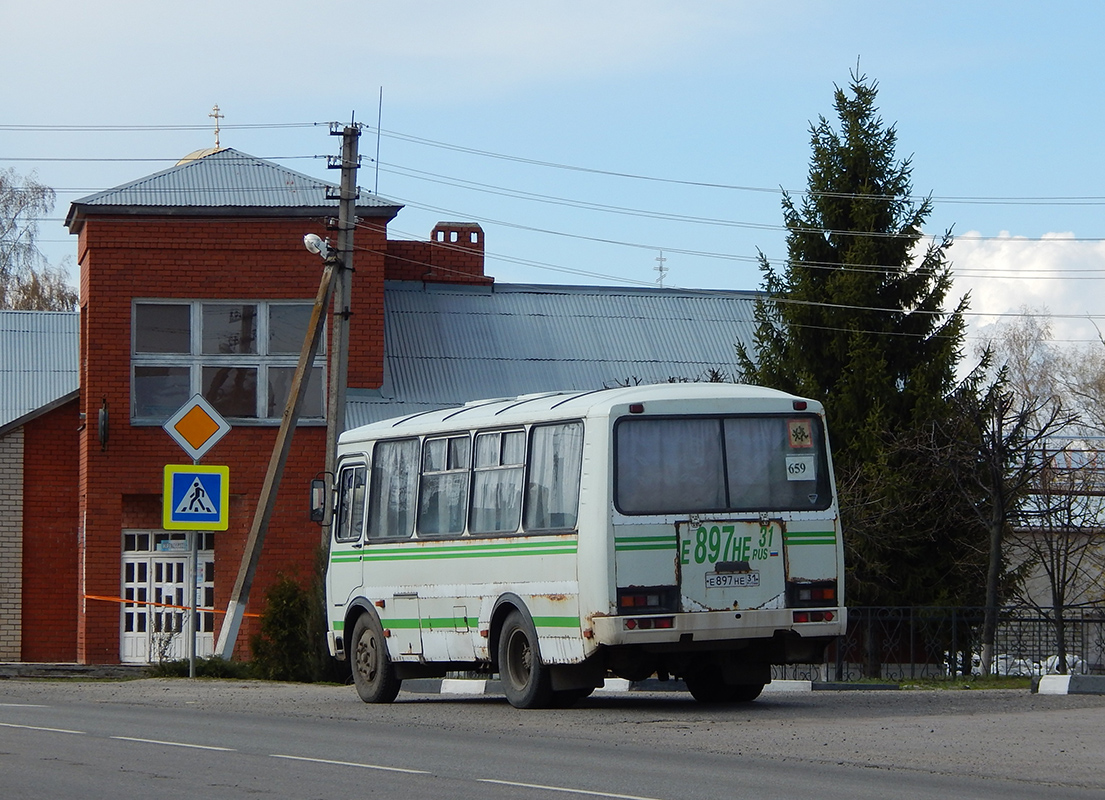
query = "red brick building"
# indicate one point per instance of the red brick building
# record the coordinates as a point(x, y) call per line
point(195, 280)
point(39, 425)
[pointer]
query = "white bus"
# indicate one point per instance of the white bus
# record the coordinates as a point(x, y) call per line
point(680, 530)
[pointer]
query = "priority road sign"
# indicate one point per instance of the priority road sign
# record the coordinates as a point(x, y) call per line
point(195, 498)
point(196, 426)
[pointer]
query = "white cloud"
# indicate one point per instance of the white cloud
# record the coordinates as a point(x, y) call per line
point(1056, 273)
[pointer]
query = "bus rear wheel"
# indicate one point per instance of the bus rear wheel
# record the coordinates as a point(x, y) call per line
point(526, 680)
point(373, 672)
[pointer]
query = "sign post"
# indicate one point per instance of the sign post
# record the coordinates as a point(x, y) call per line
point(196, 498)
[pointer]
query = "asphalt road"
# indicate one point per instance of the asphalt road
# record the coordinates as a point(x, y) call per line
point(220, 739)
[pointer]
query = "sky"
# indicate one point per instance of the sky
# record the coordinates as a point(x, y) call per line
point(590, 139)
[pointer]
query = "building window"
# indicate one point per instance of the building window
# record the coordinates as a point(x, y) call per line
point(240, 356)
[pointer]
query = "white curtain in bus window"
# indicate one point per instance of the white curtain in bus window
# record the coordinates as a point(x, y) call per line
point(497, 482)
point(770, 468)
point(669, 465)
point(351, 497)
point(394, 486)
point(552, 493)
point(443, 497)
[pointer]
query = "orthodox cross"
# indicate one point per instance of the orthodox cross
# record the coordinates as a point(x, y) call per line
point(661, 268)
point(217, 116)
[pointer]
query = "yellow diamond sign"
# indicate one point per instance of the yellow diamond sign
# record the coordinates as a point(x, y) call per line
point(197, 426)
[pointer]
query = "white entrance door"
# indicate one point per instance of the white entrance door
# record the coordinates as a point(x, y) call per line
point(157, 571)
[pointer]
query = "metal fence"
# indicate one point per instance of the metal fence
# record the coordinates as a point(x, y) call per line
point(936, 642)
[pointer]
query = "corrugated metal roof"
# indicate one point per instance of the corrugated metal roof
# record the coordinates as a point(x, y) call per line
point(39, 359)
point(226, 179)
point(446, 345)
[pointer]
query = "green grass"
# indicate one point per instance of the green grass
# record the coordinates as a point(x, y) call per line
point(969, 682)
point(213, 667)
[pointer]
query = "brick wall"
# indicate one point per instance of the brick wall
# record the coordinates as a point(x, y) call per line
point(242, 258)
point(11, 543)
point(191, 258)
point(50, 536)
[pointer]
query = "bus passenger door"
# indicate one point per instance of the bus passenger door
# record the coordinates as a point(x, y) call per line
point(344, 573)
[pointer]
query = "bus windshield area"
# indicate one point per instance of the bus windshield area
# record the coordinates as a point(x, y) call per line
point(667, 465)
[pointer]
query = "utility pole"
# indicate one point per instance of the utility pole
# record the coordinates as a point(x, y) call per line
point(239, 595)
point(339, 338)
point(340, 262)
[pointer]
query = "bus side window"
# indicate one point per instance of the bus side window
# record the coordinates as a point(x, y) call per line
point(443, 489)
point(351, 496)
point(497, 482)
point(552, 491)
point(391, 507)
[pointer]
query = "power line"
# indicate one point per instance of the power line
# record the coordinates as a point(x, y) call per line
point(716, 292)
point(427, 142)
point(980, 199)
point(132, 159)
point(40, 128)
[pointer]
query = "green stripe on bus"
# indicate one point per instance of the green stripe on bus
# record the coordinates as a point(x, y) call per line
point(480, 550)
point(627, 543)
point(411, 623)
point(556, 622)
point(399, 622)
point(433, 555)
point(809, 537)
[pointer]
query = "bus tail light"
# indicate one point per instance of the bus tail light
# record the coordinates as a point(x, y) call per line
point(649, 623)
point(647, 599)
point(811, 594)
point(814, 616)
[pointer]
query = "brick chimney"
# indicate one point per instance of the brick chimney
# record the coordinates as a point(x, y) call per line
point(454, 254)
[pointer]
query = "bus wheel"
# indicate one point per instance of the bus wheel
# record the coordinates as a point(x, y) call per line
point(373, 673)
point(526, 680)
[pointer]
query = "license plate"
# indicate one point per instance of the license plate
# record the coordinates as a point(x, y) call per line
point(729, 580)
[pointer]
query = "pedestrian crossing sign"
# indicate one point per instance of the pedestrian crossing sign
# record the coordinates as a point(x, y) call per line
point(195, 498)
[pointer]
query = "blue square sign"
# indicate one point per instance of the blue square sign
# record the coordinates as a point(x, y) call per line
point(195, 498)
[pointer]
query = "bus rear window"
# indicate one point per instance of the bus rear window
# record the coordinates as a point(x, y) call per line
point(668, 465)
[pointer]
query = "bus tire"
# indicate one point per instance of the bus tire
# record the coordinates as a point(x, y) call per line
point(526, 679)
point(373, 672)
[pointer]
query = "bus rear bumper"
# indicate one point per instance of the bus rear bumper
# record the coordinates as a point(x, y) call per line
point(717, 626)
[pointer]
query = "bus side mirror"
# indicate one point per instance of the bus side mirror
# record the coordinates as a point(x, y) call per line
point(318, 500)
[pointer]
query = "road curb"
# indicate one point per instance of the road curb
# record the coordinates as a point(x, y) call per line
point(476, 687)
point(1069, 684)
point(60, 671)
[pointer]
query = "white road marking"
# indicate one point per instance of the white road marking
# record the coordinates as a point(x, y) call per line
point(40, 728)
point(567, 790)
point(174, 744)
point(352, 764)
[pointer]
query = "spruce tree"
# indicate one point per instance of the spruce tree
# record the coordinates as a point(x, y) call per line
point(856, 319)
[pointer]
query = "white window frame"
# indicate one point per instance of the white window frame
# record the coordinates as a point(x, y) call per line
point(196, 360)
